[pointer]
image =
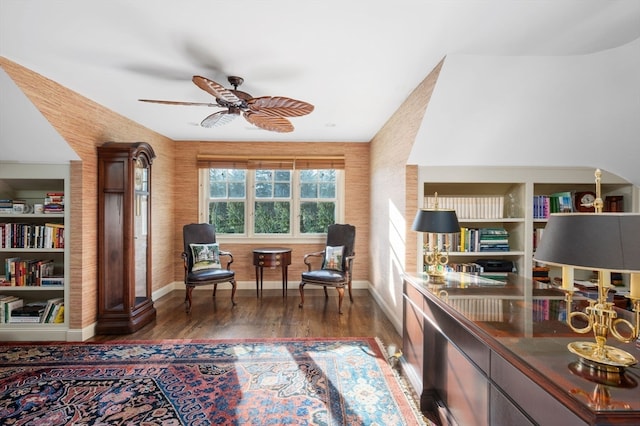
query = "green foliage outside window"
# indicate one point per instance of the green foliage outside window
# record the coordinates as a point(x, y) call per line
point(316, 217)
point(227, 217)
point(277, 200)
point(272, 217)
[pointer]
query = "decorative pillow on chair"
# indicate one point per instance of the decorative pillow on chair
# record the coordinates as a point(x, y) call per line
point(205, 256)
point(333, 258)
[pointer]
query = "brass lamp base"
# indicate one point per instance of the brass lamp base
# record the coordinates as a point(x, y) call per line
point(611, 359)
point(436, 278)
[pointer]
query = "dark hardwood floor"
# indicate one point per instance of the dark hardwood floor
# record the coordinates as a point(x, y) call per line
point(269, 316)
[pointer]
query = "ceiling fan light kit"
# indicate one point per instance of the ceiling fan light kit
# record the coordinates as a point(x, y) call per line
point(266, 112)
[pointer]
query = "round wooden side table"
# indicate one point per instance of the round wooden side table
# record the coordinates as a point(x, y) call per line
point(271, 257)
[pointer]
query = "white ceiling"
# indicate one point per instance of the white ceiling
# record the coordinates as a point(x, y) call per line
point(355, 60)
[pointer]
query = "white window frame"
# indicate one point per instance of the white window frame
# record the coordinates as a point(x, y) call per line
point(249, 236)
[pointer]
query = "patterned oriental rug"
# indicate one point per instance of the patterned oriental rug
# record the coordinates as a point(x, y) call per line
point(202, 382)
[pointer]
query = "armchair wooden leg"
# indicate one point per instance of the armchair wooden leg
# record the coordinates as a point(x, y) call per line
point(350, 295)
point(301, 287)
point(340, 297)
point(326, 295)
point(233, 292)
point(187, 298)
point(215, 287)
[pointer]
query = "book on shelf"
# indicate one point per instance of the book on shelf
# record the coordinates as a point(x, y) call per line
point(45, 268)
point(9, 268)
point(52, 314)
point(6, 206)
point(479, 309)
point(24, 319)
point(32, 235)
point(469, 207)
point(56, 280)
point(614, 203)
point(8, 305)
point(48, 314)
point(540, 274)
point(541, 207)
point(54, 202)
point(30, 312)
point(537, 237)
point(59, 314)
point(482, 240)
point(4, 299)
point(26, 272)
point(561, 202)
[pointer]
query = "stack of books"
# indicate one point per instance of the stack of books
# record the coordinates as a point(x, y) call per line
point(541, 274)
point(494, 239)
point(54, 202)
point(31, 312)
point(6, 206)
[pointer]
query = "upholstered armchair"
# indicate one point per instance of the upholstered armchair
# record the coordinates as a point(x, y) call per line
point(337, 263)
point(202, 261)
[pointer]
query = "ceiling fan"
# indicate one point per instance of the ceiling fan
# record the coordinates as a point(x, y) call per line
point(266, 112)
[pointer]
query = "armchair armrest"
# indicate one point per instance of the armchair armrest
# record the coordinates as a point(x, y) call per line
point(229, 255)
point(348, 264)
point(307, 260)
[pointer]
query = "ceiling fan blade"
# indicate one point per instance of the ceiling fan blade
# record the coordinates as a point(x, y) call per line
point(269, 122)
point(155, 101)
point(218, 119)
point(224, 96)
point(279, 106)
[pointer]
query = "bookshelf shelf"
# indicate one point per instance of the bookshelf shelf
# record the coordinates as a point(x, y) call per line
point(517, 186)
point(32, 250)
point(485, 253)
point(8, 289)
point(31, 216)
point(25, 242)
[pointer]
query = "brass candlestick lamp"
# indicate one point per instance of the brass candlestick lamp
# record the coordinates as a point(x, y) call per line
point(434, 222)
point(605, 242)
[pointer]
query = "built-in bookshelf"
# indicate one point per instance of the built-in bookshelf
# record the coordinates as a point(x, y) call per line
point(34, 260)
point(507, 198)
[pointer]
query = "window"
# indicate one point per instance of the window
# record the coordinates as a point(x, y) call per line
point(228, 187)
point(271, 202)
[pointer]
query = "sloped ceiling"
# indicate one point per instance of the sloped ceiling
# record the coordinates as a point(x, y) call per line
point(536, 111)
point(25, 135)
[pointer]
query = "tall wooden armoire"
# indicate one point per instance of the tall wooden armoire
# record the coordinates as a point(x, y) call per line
point(124, 237)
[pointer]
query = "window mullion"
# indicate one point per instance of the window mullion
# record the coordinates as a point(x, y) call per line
point(251, 200)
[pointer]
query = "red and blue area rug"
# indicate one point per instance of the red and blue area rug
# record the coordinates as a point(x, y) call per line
point(183, 382)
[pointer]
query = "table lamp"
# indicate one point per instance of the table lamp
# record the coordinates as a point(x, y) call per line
point(434, 222)
point(603, 242)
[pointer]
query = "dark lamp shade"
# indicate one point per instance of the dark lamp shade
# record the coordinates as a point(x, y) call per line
point(592, 241)
point(436, 221)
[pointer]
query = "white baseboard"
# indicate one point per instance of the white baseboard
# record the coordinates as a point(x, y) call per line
point(388, 311)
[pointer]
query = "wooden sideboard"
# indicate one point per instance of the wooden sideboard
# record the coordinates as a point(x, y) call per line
point(491, 353)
